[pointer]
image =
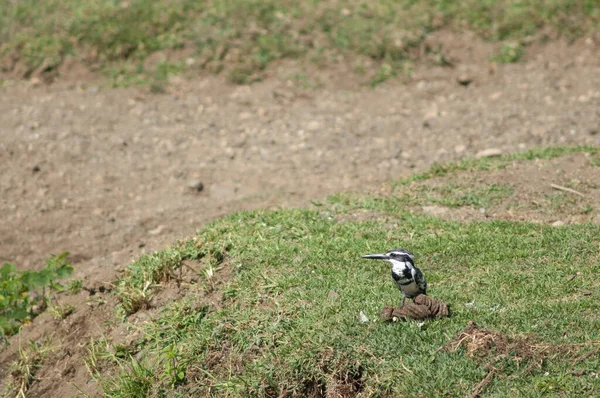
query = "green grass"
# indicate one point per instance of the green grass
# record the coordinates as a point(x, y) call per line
point(245, 36)
point(285, 320)
point(484, 164)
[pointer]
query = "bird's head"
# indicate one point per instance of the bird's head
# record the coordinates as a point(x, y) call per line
point(394, 255)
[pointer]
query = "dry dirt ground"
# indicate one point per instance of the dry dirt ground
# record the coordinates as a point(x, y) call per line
point(107, 174)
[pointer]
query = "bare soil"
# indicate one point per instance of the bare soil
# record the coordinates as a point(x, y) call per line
point(107, 174)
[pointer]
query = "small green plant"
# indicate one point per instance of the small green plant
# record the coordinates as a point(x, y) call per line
point(59, 311)
point(510, 53)
point(74, 286)
point(21, 291)
point(385, 72)
point(174, 368)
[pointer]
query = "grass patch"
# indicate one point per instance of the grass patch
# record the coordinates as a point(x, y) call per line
point(286, 321)
point(245, 36)
point(510, 53)
point(441, 170)
point(24, 294)
point(22, 372)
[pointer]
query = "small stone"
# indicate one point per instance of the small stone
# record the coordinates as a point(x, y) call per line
point(592, 132)
point(363, 318)
point(92, 90)
point(558, 223)
point(460, 148)
point(158, 230)
point(482, 210)
point(36, 169)
point(496, 95)
point(464, 80)
point(489, 152)
point(586, 292)
point(197, 186)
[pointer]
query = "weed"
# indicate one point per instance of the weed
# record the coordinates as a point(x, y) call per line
point(23, 370)
point(385, 72)
point(74, 286)
point(510, 53)
point(60, 311)
point(20, 290)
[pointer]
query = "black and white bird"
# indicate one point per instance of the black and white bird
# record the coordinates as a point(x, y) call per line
point(409, 279)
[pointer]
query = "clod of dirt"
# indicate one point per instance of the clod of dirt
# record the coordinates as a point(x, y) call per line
point(423, 307)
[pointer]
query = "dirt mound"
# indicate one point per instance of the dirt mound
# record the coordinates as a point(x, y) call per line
point(492, 348)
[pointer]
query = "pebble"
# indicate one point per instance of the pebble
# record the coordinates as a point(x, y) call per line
point(558, 223)
point(464, 80)
point(158, 230)
point(197, 186)
point(363, 318)
point(489, 152)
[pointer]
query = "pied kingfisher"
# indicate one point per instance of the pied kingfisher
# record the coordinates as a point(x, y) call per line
point(407, 277)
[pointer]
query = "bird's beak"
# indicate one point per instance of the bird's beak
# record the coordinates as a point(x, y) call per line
point(376, 256)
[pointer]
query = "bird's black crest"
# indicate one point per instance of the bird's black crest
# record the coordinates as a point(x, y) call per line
point(402, 254)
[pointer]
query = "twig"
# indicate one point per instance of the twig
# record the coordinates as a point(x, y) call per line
point(585, 356)
point(561, 188)
point(482, 384)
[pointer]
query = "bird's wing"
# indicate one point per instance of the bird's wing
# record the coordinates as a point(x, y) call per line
point(420, 280)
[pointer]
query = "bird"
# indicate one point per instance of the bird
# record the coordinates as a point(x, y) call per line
point(408, 278)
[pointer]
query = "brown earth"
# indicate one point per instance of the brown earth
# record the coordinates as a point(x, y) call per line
point(107, 174)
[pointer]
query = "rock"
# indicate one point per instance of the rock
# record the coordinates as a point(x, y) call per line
point(36, 169)
point(464, 80)
point(489, 152)
point(558, 223)
point(197, 186)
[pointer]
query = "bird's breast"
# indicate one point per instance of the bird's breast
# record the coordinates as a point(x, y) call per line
point(410, 289)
